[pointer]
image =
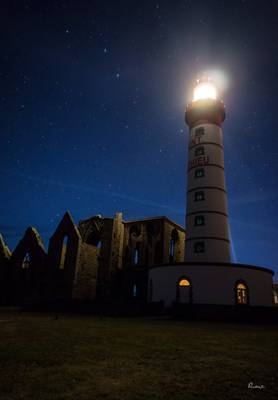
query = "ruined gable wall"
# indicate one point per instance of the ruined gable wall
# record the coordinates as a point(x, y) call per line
point(28, 278)
point(60, 278)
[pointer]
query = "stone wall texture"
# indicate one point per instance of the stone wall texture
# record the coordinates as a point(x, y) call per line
point(100, 259)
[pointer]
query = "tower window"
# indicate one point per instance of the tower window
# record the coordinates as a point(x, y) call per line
point(199, 220)
point(241, 293)
point(199, 172)
point(199, 247)
point(199, 151)
point(199, 196)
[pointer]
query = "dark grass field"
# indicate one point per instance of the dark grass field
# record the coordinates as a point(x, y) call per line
point(75, 357)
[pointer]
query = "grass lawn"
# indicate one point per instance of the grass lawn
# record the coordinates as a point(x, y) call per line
point(85, 358)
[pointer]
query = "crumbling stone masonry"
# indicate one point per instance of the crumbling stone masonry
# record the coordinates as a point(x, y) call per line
point(100, 259)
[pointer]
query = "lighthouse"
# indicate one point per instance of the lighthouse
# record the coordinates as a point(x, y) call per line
point(207, 225)
point(207, 276)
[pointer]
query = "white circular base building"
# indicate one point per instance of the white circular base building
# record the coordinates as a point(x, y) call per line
point(211, 283)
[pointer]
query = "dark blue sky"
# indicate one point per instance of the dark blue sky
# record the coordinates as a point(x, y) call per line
point(92, 112)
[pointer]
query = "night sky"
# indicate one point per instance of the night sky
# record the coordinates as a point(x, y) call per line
point(92, 103)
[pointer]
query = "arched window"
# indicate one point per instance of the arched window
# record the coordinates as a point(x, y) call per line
point(172, 245)
point(136, 254)
point(184, 291)
point(26, 261)
point(94, 238)
point(63, 253)
point(134, 290)
point(172, 249)
point(184, 282)
point(241, 293)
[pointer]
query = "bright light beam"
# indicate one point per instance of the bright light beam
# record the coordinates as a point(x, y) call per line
point(204, 90)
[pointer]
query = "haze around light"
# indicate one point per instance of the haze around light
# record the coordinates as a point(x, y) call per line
point(204, 91)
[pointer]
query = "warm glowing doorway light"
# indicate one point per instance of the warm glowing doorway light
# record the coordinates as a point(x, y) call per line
point(184, 282)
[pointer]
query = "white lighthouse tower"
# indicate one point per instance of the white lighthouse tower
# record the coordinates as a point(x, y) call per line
point(207, 277)
point(207, 225)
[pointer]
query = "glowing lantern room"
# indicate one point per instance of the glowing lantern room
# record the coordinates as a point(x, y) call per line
point(204, 89)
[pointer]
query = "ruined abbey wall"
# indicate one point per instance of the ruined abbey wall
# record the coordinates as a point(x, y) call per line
point(102, 259)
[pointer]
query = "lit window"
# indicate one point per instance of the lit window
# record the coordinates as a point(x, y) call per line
point(184, 282)
point(199, 220)
point(199, 247)
point(26, 261)
point(199, 172)
point(199, 151)
point(241, 293)
point(199, 196)
point(184, 291)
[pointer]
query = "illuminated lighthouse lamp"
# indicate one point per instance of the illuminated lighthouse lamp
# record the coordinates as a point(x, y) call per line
point(204, 90)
